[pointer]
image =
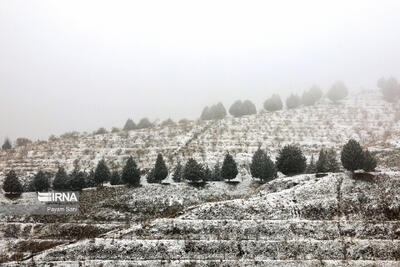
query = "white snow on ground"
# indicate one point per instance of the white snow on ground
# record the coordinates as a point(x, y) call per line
point(365, 117)
point(301, 221)
point(292, 221)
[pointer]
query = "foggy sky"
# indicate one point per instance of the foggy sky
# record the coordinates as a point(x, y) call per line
point(79, 65)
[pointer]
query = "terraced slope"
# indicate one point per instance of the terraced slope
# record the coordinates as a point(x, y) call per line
point(294, 221)
point(103, 210)
point(365, 117)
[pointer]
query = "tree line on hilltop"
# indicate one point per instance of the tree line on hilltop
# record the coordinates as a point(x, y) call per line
point(290, 161)
point(390, 89)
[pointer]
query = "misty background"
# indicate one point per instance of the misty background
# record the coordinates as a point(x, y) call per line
point(81, 65)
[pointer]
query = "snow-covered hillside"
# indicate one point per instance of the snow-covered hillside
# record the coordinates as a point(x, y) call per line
point(364, 116)
point(291, 221)
point(304, 220)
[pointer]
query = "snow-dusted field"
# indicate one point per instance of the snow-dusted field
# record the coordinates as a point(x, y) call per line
point(364, 116)
point(302, 220)
point(292, 221)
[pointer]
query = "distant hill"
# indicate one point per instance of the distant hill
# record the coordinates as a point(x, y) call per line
point(364, 116)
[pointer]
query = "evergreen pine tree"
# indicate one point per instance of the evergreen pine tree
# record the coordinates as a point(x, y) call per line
point(270, 171)
point(129, 125)
point(131, 173)
point(311, 96)
point(41, 182)
point(307, 99)
point(207, 174)
point(101, 130)
point(333, 165)
point(115, 130)
point(322, 162)
point(90, 181)
point(248, 108)
point(293, 101)
point(262, 166)
point(178, 173)
point(273, 103)
point(102, 173)
point(291, 160)
point(390, 89)
point(369, 162)
point(7, 144)
point(168, 122)
point(215, 112)
point(150, 177)
point(352, 156)
point(257, 163)
point(12, 184)
point(115, 178)
point(160, 169)
point(337, 92)
point(77, 180)
point(205, 114)
point(216, 174)
point(193, 171)
point(220, 111)
point(229, 169)
point(311, 168)
point(61, 181)
point(316, 93)
point(236, 109)
point(327, 161)
point(144, 123)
